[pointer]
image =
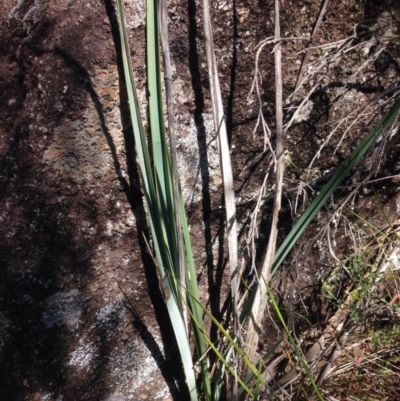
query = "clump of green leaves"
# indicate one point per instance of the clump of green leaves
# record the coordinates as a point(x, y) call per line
point(180, 286)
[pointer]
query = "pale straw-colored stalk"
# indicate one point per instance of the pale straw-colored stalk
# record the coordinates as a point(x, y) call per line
point(261, 296)
point(224, 157)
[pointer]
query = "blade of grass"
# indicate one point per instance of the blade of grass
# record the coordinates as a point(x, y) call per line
point(251, 376)
point(160, 157)
point(192, 290)
point(189, 277)
point(163, 21)
point(382, 210)
point(165, 194)
point(197, 320)
point(227, 336)
point(383, 125)
point(230, 369)
point(298, 352)
point(258, 381)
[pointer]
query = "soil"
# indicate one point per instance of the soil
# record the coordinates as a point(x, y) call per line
point(82, 316)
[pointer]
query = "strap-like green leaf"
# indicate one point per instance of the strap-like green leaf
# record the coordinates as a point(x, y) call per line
point(382, 126)
point(157, 181)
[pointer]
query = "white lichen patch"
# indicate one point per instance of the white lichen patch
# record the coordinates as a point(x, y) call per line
point(132, 364)
point(49, 397)
point(115, 397)
point(31, 14)
point(162, 394)
point(304, 112)
point(135, 12)
point(83, 356)
point(134, 368)
point(198, 158)
point(110, 312)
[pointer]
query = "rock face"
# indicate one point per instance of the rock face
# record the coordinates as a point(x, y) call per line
point(81, 312)
point(76, 318)
point(86, 149)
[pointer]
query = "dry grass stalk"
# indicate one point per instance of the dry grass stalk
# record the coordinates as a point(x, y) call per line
point(308, 51)
point(317, 76)
point(256, 85)
point(225, 159)
point(249, 251)
point(336, 333)
point(261, 297)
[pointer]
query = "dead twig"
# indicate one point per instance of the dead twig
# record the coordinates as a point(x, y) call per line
point(261, 297)
point(308, 51)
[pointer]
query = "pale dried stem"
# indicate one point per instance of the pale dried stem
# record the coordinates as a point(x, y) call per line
point(337, 331)
point(340, 342)
point(324, 62)
point(304, 101)
point(256, 85)
point(354, 122)
point(348, 366)
point(225, 160)
point(315, 69)
point(327, 46)
point(389, 177)
point(273, 39)
point(328, 138)
point(308, 51)
point(252, 235)
point(261, 298)
point(335, 58)
point(257, 81)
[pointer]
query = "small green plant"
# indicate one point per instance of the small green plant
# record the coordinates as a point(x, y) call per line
point(168, 223)
point(327, 292)
point(386, 337)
